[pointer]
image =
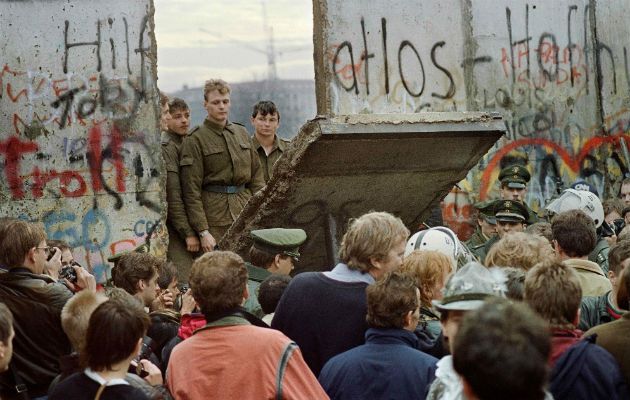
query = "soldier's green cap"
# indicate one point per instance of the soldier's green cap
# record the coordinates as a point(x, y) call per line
point(279, 241)
point(143, 248)
point(486, 210)
point(510, 211)
point(514, 176)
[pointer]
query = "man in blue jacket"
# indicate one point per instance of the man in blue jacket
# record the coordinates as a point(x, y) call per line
point(388, 364)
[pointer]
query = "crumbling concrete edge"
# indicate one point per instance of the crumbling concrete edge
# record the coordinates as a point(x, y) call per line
point(275, 195)
point(322, 83)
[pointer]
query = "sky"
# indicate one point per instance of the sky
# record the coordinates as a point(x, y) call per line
point(202, 39)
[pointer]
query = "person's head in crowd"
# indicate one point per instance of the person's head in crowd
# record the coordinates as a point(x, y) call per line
point(572, 199)
point(114, 335)
point(464, 291)
point(552, 289)
point(67, 258)
point(374, 243)
point(624, 191)
point(618, 259)
point(515, 283)
point(23, 244)
point(163, 328)
point(137, 274)
point(218, 281)
point(511, 217)
point(164, 99)
point(393, 302)
point(429, 270)
point(485, 218)
point(265, 118)
point(276, 249)
point(501, 352)
point(438, 238)
point(624, 234)
point(520, 250)
point(168, 278)
point(574, 234)
point(625, 214)
point(75, 316)
point(542, 229)
point(216, 95)
point(623, 293)
point(613, 209)
point(270, 291)
point(6, 337)
point(179, 112)
point(514, 180)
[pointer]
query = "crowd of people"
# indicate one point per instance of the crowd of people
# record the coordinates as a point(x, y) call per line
point(534, 306)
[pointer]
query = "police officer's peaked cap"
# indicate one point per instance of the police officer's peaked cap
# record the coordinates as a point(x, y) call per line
point(514, 176)
point(510, 211)
point(486, 210)
point(279, 241)
point(143, 248)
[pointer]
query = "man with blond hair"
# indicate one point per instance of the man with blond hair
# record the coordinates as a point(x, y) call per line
point(36, 301)
point(580, 369)
point(220, 168)
point(324, 312)
point(229, 358)
point(519, 250)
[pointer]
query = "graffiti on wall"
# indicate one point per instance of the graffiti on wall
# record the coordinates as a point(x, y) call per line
point(558, 74)
point(79, 142)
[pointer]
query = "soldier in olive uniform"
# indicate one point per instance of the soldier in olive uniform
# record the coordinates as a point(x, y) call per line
point(219, 168)
point(183, 243)
point(265, 120)
point(511, 217)
point(486, 225)
point(514, 181)
point(273, 252)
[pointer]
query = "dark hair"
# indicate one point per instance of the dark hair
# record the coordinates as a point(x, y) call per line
point(131, 268)
point(6, 323)
point(619, 253)
point(167, 273)
point(260, 258)
point(623, 295)
point(611, 205)
point(163, 328)
point(515, 283)
point(270, 291)
point(512, 345)
point(265, 107)
point(218, 280)
point(542, 229)
point(575, 232)
point(113, 333)
point(390, 299)
point(60, 244)
point(177, 104)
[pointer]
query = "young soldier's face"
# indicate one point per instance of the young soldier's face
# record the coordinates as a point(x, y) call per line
point(516, 194)
point(265, 125)
point(179, 122)
point(487, 228)
point(218, 107)
point(506, 227)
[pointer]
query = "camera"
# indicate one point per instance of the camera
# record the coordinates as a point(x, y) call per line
point(147, 348)
point(184, 289)
point(68, 273)
point(51, 254)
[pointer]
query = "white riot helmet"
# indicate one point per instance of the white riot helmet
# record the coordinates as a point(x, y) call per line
point(439, 238)
point(573, 199)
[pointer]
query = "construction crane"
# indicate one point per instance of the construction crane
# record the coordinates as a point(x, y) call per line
point(269, 50)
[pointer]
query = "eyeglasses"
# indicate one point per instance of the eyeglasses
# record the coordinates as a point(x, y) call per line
point(45, 248)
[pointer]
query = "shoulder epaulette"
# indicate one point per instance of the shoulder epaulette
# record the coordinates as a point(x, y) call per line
point(165, 139)
point(193, 130)
point(238, 123)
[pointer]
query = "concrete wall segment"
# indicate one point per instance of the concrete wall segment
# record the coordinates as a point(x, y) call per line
point(79, 133)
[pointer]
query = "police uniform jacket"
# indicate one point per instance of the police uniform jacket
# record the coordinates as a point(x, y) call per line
point(176, 217)
point(267, 161)
point(219, 156)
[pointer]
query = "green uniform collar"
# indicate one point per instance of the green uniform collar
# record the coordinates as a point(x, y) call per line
point(256, 273)
point(174, 137)
point(215, 127)
point(278, 144)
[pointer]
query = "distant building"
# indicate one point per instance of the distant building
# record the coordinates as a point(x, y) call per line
point(295, 99)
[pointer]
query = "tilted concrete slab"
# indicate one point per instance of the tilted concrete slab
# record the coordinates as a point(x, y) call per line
point(342, 167)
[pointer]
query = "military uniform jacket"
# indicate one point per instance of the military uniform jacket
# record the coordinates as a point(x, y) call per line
point(176, 217)
point(268, 161)
point(532, 217)
point(212, 155)
point(600, 254)
point(476, 239)
point(481, 251)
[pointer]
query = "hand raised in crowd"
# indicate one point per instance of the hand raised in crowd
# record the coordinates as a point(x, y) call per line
point(188, 303)
point(155, 375)
point(85, 280)
point(164, 300)
point(52, 266)
point(192, 244)
point(208, 243)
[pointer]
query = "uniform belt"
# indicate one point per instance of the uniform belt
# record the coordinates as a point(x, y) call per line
point(224, 189)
